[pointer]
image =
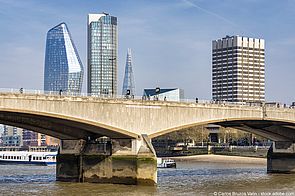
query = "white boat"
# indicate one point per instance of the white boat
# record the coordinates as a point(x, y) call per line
point(165, 163)
point(26, 157)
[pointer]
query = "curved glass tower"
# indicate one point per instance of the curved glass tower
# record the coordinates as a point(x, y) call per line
point(63, 67)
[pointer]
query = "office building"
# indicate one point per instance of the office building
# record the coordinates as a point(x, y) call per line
point(168, 94)
point(31, 138)
point(238, 73)
point(102, 54)
point(128, 84)
point(12, 136)
point(63, 67)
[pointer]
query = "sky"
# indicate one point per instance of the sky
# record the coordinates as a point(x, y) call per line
point(170, 40)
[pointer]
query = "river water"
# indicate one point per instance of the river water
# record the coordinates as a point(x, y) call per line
point(190, 178)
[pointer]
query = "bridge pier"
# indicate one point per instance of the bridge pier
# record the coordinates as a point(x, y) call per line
point(281, 158)
point(121, 161)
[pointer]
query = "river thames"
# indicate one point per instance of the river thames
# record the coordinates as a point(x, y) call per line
point(190, 178)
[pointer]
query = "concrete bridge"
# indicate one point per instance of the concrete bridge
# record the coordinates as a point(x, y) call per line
point(129, 157)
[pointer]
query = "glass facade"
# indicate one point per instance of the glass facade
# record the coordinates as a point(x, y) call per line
point(63, 67)
point(128, 84)
point(174, 94)
point(102, 54)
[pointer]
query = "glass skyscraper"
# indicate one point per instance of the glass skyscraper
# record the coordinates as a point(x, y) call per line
point(63, 67)
point(128, 84)
point(102, 54)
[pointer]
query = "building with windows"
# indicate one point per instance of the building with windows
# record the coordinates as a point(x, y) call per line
point(169, 94)
point(63, 67)
point(238, 73)
point(31, 138)
point(128, 83)
point(102, 54)
point(12, 136)
point(18, 137)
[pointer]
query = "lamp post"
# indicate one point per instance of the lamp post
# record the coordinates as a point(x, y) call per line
point(157, 91)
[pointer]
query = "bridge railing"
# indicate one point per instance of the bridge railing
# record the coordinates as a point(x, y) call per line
point(144, 98)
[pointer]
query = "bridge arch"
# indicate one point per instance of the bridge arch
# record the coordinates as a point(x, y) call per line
point(271, 128)
point(60, 126)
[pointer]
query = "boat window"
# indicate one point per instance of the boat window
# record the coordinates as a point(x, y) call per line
point(33, 158)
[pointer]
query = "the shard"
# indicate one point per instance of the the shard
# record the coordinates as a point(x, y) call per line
point(63, 67)
point(128, 84)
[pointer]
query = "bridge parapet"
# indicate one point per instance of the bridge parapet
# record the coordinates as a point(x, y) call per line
point(122, 117)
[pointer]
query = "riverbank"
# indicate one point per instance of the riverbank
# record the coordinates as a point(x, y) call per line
point(222, 159)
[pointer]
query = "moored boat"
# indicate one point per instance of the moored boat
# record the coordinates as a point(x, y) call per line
point(27, 157)
point(165, 163)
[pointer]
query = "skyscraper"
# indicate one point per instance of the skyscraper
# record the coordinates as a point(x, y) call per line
point(102, 54)
point(128, 84)
point(63, 67)
point(238, 69)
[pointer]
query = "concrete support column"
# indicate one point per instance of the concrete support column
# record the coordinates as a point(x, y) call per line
point(281, 157)
point(123, 161)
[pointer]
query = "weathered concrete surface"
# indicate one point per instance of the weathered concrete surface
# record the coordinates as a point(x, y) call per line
point(83, 117)
point(77, 162)
point(281, 158)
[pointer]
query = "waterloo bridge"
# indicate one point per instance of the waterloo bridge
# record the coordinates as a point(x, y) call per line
point(129, 158)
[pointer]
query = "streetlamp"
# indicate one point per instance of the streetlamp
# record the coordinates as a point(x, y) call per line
point(157, 91)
